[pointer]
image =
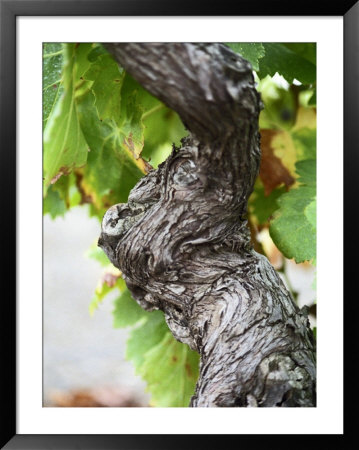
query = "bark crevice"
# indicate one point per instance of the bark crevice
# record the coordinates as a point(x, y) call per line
point(182, 240)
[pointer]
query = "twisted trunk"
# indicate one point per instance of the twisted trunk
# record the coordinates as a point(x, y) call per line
point(182, 240)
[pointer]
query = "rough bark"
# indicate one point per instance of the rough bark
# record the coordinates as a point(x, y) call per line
point(182, 240)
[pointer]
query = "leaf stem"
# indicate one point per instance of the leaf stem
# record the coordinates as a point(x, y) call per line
point(152, 111)
point(50, 55)
point(52, 84)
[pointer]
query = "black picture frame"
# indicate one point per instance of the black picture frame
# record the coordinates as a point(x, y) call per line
point(9, 10)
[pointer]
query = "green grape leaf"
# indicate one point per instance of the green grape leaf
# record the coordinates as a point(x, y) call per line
point(307, 50)
point(305, 141)
point(97, 50)
point(263, 206)
point(158, 140)
point(127, 311)
point(64, 145)
point(144, 337)
point(306, 169)
point(54, 205)
point(310, 212)
point(289, 64)
point(313, 99)
point(75, 197)
point(171, 371)
point(131, 128)
point(82, 64)
point(61, 196)
point(52, 88)
point(96, 253)
point(111, 170)
point(107, 77)
point(251, 51)
point(169, 367)
point(97, 124)
point(293, 226)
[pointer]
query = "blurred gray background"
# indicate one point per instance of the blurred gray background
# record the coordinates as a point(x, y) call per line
point(80, 352)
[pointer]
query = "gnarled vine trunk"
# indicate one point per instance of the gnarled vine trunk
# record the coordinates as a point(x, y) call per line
point(182, 241)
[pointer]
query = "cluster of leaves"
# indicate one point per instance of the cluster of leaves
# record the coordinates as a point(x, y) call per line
point(96, 120)
point(101, 131)
point(288, 142)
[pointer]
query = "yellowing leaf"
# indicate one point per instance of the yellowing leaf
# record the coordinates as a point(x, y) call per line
point(272, 171)
point(306, 118)
point(284, 148)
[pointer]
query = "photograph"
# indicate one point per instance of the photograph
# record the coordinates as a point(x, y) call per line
point(179, 224)
point(176, 178)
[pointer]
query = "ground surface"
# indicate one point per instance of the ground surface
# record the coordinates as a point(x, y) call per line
point(79, 351)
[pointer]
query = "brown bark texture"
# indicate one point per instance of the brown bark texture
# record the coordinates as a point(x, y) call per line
point(182, 241)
